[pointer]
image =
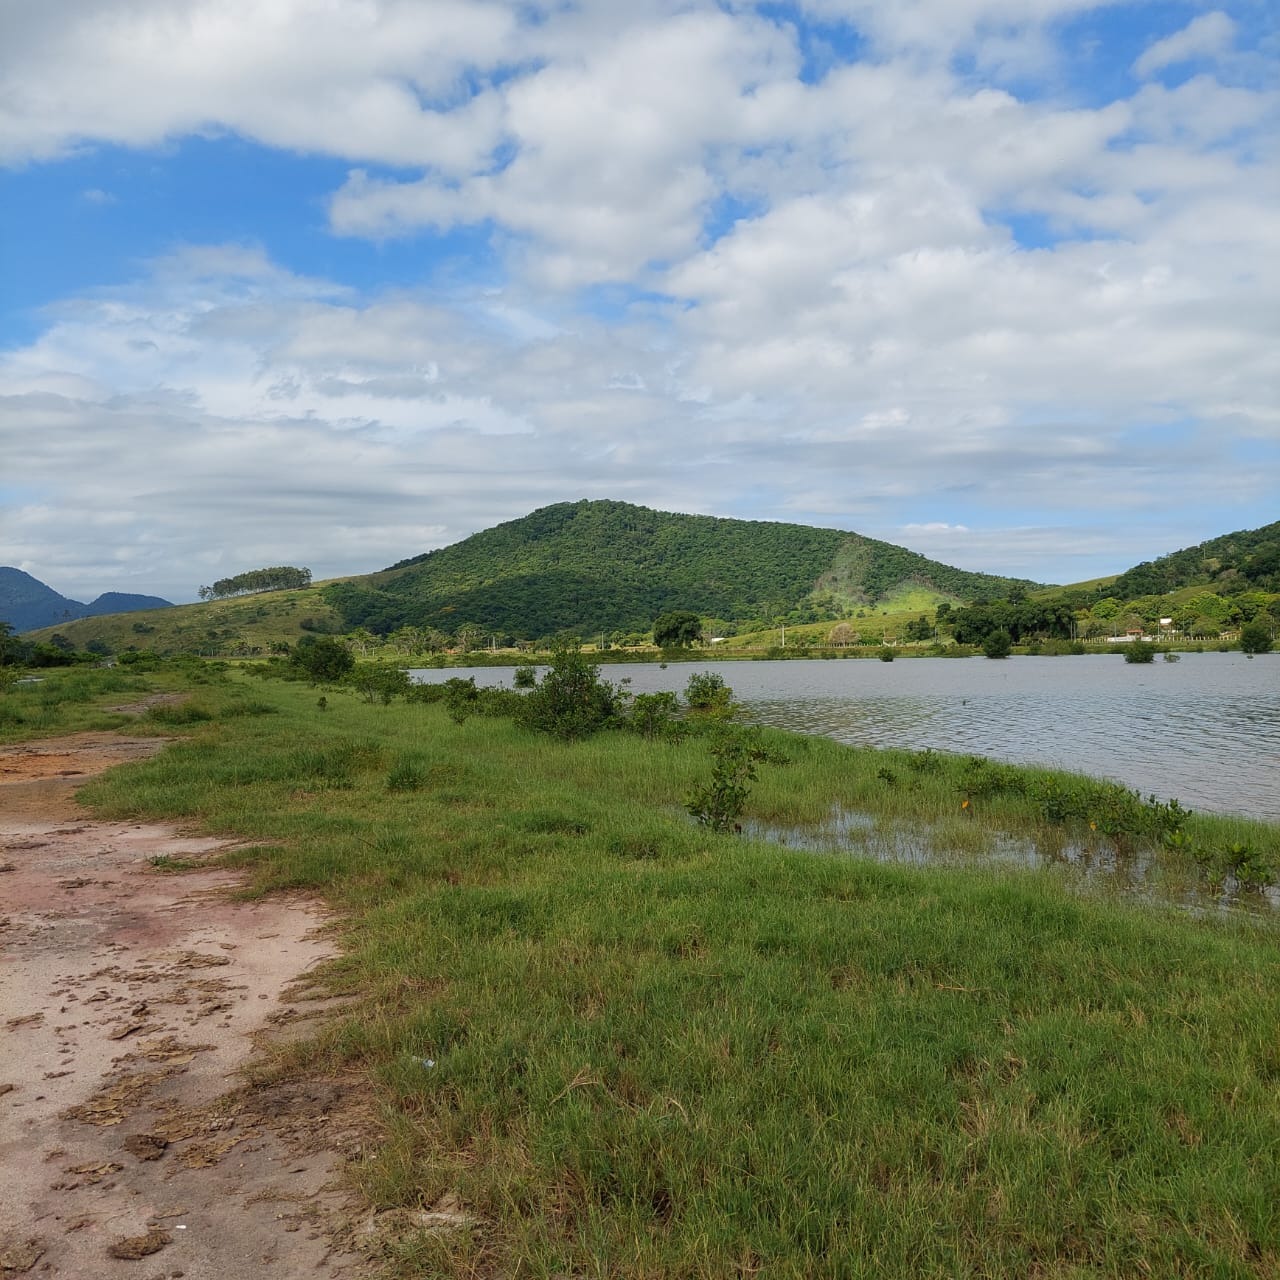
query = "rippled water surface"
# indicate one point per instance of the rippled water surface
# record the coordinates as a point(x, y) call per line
point(1205, 730)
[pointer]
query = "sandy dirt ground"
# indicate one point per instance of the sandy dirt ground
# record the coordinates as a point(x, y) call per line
point(130, 1000)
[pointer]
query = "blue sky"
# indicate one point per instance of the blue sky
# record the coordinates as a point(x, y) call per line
point(331, 284)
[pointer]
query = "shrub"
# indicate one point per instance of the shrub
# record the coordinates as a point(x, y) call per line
point(719, 804)
point(322, 659)
point(708, 694)
point(652, 714)
point(570, 701)
point(1140, 651)
point(376, 683)
point(1255, 638)
point(998, 644)
point(460, 697)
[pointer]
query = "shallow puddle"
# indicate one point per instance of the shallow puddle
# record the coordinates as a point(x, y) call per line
point(1095, 864)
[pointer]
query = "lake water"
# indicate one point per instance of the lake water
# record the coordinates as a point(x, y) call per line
point(1204, 730)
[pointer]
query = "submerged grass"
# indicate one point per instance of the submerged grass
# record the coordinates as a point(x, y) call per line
point(636, 1048)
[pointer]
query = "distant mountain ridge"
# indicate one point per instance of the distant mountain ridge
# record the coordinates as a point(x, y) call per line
point(602, 565)
point(27, 604)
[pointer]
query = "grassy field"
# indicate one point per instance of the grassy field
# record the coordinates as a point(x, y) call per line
point(635, 1048)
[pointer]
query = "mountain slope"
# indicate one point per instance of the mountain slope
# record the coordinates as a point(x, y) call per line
point(123, 602)
point(1248, 556)
point(26, 603)
point(591, 566)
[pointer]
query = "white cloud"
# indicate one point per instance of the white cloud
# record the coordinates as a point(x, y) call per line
point(343, 79)
point(611, 163)
point(1208, 36)
point(839, 324)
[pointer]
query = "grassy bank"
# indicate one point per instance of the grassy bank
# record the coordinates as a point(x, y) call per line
point(635, 1048)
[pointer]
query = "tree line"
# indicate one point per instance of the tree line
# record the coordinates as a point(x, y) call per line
point(279, 578)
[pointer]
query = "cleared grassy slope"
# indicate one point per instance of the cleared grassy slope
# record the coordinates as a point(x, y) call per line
point(244, 623)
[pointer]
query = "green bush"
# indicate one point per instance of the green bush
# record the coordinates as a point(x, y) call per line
point(322, 658)
point(460, 697)
point(377, 683)
point(708, 694)
point(652, 714)
point(1255, 638)
point(998, 644)
point(735, 752)
point(1140, 651)
point(570, 701)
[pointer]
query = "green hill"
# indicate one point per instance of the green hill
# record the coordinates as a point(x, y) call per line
point(1249, 557)
point(593, 566)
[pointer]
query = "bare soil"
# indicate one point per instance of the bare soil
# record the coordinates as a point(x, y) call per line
point(131, 1000)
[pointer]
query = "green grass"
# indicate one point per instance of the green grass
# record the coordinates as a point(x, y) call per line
point(77, 699)
point(656, 1052)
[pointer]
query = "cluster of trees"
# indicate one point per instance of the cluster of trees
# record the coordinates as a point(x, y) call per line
point(1019, 619)
point(279, 578)
point(1203, 616)
point(57, 651)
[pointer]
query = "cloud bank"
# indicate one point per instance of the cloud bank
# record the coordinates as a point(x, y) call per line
point(906, 269)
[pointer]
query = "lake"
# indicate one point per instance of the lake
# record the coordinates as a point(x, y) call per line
point(1204, 730)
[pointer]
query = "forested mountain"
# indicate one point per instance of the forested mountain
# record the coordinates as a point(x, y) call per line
point(27, 603)
point(1249, 557)
point(591, 566)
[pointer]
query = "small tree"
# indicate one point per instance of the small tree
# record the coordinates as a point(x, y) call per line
point(377, 683)
point(1255, 638)
point(1140, 651)
point(708, 694)
point(322, 658)
point(677, 628)
point(570, 701)
point(920, 629)
point(999, 644)
point(735, 752)
point(652, 714)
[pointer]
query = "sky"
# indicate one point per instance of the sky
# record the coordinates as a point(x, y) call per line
point(330, 283)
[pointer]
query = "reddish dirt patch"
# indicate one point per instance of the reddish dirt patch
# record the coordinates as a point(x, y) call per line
point(130, 1000)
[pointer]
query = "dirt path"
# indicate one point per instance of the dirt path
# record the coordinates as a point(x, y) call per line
point(129, 999)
